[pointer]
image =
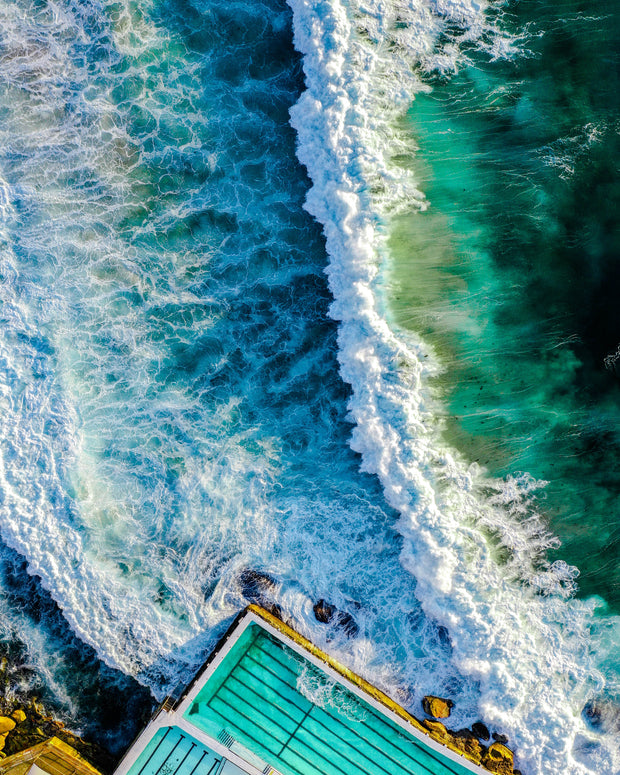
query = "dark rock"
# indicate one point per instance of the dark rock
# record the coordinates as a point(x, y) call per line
point(274, 609)
point(324, 611)
point(481, 731)
point(254, 584)
point(466, 734)
point(497, 736)
point(256, 587)
point(348, 624)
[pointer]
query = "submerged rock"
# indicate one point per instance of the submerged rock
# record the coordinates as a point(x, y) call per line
point(347, 623)
point(323, 611)
point(255, 583)
point(437, 707)
point(256, 587)
point(499, 738)
point(603, 714)
point(326, 613)
point(593, 714)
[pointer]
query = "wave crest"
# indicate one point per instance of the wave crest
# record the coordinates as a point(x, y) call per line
point(475, 545)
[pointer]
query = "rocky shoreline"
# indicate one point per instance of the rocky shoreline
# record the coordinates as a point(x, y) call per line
point(25, 725)
point(25, 722)
point(471, 743)
point(495, 757)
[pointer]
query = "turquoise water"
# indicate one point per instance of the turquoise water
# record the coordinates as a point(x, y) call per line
point(518, 253)
point(226, 347)
point(171, 750)
point(296, 718)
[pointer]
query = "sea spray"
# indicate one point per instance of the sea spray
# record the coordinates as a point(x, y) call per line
point(474, 545)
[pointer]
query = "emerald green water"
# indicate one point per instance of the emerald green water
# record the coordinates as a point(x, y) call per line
point(512, 273)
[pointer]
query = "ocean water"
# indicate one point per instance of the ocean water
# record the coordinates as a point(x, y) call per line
point(258, 259)
point(512, 274)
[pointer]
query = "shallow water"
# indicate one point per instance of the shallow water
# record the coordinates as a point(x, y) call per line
point(511, 273)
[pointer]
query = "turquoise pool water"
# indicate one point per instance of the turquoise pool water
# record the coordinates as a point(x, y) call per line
point(172, 752)
point(283, 708)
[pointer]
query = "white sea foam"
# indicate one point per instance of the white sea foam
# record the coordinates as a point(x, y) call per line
point(135, 497)
point(85, 525)
point(475, 545)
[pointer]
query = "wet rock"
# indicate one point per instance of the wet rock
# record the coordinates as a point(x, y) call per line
point(437, 730)
point(498, 758)
point(593, 714)
point(481, 731)
point(274, 609)
point(347, 623)
point(254, 584)
point(323, 611)
point(499, 738)
point(327, 613)
point(603, 714)
point(258, 587)
point(6, 724)
point(466, 741)
point(31, 726)
point(437, 707)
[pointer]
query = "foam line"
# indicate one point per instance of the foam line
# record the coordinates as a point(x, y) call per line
point(512, 622)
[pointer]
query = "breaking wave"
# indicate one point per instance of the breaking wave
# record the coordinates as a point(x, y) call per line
point(475, 545)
